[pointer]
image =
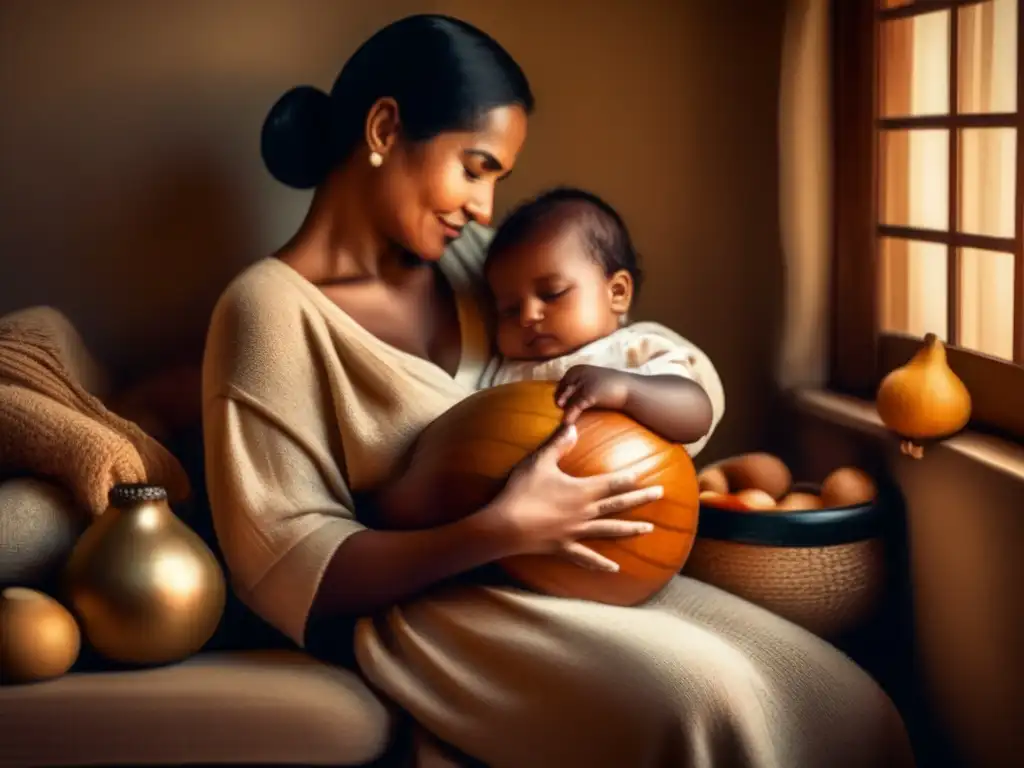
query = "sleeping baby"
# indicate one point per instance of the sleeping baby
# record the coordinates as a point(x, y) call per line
point(564, 274)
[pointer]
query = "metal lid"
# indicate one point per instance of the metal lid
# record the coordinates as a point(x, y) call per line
point(128, 494)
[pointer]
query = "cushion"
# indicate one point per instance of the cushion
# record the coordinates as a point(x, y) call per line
point(270, 707)
point(39, 524)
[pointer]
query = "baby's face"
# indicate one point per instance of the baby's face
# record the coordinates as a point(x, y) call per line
point(552, 298)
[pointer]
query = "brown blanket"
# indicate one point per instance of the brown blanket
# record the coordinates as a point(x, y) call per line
point(53, 425)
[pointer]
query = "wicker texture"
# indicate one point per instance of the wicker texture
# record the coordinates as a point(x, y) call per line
point(828, 590)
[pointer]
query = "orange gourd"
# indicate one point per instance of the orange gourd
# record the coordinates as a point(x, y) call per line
point(462, 459)
point(924, 399)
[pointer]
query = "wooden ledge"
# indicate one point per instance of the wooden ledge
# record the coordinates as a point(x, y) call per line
point(996, 453)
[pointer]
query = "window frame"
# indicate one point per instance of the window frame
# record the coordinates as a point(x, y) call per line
point(860, 354)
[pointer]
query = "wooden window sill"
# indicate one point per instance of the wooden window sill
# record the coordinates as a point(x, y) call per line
point(996, 453)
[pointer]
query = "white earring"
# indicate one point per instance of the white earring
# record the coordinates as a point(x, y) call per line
point(376, 159)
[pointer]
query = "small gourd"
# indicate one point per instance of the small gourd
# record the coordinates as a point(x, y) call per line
point(924, 400)
point(39, 638)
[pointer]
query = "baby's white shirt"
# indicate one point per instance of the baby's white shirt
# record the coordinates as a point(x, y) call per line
point(648, 349)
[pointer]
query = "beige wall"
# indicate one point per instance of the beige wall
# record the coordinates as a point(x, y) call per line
point(132, 190)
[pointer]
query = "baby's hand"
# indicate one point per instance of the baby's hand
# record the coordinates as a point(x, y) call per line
point(590, 386)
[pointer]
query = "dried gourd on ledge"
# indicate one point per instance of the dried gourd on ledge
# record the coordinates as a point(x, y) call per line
point(924, 400)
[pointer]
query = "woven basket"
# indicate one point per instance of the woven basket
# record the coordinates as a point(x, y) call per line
point(823, 569)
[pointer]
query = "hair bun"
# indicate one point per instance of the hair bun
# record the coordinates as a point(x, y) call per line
point(296, 138)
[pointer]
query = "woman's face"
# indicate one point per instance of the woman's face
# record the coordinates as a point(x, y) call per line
point(429, 190)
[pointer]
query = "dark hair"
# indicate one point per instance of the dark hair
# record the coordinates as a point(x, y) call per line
point(603, 231)
point(444, 74)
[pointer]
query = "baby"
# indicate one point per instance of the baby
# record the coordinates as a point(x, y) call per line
point(564, 275)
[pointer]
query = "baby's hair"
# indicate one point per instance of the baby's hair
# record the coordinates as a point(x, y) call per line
point(603, 231)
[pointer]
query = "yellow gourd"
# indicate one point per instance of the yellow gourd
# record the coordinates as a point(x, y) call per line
point(39, 639)
point(924, 400)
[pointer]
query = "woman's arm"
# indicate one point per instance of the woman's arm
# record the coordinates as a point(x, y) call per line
point(286, 524)
point(674, 406)
point(541, 510)
point(287, 527)
point(372, 570)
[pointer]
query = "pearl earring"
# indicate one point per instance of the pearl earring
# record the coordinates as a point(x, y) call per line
point(376, 159)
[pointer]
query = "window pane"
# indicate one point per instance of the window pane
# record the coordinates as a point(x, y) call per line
point(914, 179)
point(988, 169)
point(914, 66)
point(988, 57)
point(986, 302)
point(913, 287)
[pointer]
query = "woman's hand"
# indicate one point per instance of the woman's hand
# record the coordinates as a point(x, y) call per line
point(590, 386)
point(542, 510)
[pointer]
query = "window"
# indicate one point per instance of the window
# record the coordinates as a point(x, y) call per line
point(929, 195)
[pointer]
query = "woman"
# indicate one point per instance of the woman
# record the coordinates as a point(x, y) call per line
point(322, 365)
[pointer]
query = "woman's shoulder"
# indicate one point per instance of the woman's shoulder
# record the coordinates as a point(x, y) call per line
point(257, 328)
point(263, 298)
point(253, 285)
